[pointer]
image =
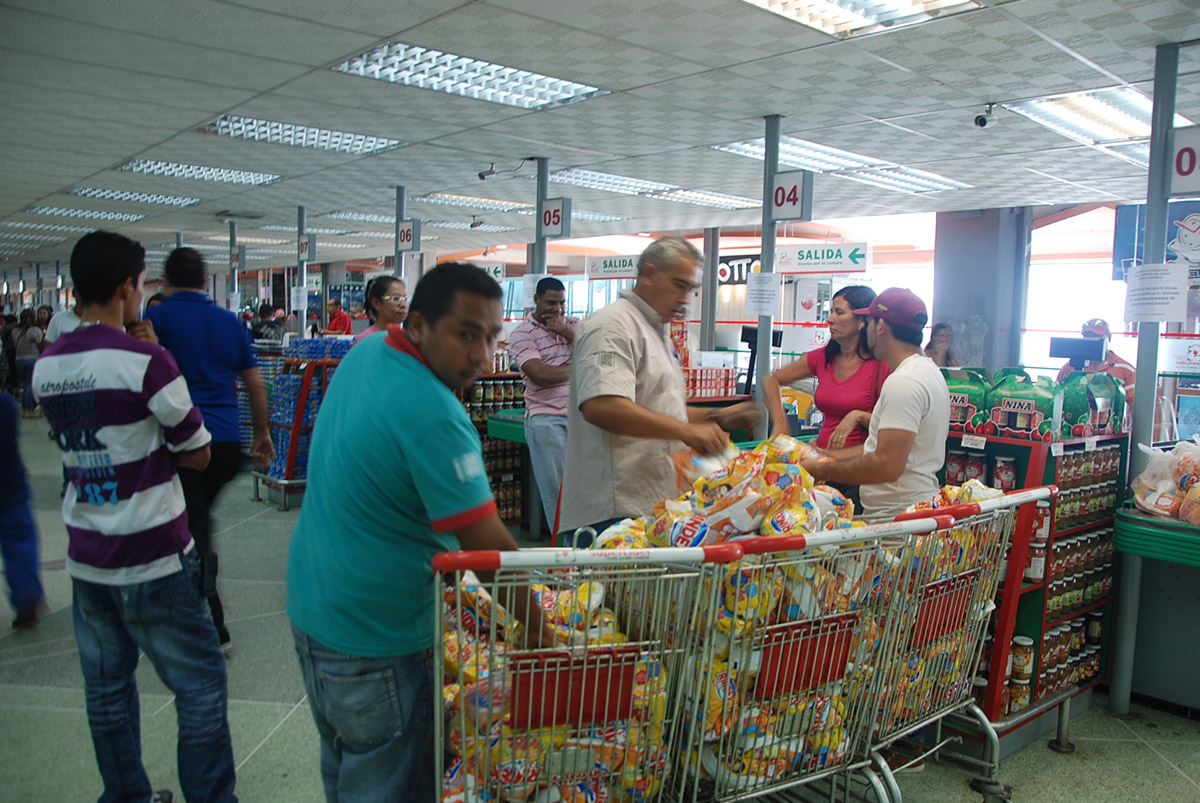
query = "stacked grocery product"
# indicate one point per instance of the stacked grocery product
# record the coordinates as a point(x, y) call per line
point(1011, 404)
point(490, 394)
point(296, 395)
point(1170, 484)
point(710, 383)
point(270, 367)
point(504, 462)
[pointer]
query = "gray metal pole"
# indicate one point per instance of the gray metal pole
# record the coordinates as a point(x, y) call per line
point(1166, 75)
point(301, 310)
point(234, 267)
point(708, 299)
point(543, 191)
point(770, 162)
point(401, 214)
point(179, 239)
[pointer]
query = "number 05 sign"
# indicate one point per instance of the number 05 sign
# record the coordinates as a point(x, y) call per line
point(556, 217)
point(1185, 161)
point(791, 198)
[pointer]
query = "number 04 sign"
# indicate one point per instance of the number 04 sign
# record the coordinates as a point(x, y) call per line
point(556, 217)
point(791, 198)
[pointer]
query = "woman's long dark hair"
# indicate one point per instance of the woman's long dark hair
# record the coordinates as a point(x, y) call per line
point(857, 296)
point(376, 289)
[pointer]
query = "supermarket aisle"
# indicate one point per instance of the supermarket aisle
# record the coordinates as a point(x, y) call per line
point(48, 756)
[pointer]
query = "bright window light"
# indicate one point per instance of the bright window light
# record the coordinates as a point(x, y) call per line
point(716, 199)
point(1099, 117)
point(462, 225)
point(307, 230)
point(844, 18)
point(359, 217)
point(200, 172)
point(91, 214)
point(472, 202)
point(803, 155)
point(609, 182)
point(21, 224)
point(135, 197)
point(298, 136)
point(903, 179)
point(424, 68)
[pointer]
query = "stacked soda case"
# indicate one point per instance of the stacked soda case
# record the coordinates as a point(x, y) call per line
point(270, 367)
point(308, 369)
point(317, 348)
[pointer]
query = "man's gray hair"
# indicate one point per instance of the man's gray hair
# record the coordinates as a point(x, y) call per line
point(666, 252)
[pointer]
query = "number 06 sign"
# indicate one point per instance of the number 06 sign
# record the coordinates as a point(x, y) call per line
point(556, 217)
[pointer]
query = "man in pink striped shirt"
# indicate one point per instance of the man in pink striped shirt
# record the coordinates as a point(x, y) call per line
point(540, 347)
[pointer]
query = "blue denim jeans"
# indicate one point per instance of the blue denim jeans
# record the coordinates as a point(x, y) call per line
point(25, 369)
point(169, 621)
point(375, 718)
point(19, 546)
point(547, 439)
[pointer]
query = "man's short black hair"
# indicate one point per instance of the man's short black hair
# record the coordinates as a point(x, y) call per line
point(185, 268)
point(266, 310)
point(435, 292)
point(548, 284)
point(905, 334)
point(101, 262)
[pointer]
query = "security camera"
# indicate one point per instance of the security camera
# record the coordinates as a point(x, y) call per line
point(986, 119)
point(485, 174)
point(475, 223)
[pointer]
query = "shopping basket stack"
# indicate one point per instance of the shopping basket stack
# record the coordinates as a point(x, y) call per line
point(777, 682)
point(935, 624)
point(592, 718)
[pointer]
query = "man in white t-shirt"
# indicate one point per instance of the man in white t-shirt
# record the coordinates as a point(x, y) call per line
point(60, 324)
point(906, 444)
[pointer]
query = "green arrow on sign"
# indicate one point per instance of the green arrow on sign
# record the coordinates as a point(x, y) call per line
point(856, 255)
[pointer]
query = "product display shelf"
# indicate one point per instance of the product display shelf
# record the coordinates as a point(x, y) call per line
point(494, 401)
point(1022, 603)
point(270, 366)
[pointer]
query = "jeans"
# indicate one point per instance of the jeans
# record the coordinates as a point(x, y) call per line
point(25, 369)
point(200, 489)
point(168, 620)
point(19, 546)
point(375, 719)
point(547, 439)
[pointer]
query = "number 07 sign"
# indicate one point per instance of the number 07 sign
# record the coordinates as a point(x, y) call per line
point(791, 197)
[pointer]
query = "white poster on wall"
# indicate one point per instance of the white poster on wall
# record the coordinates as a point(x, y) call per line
point(1157, 292)
point(762, 294)
point(1177, 355)
point(529, 288)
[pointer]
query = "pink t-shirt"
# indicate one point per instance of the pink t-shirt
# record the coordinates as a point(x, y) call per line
point(533, 341)
point(365, 333)
point(836, 398)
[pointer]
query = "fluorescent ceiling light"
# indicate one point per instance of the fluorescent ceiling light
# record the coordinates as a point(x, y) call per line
point(583, 214)
point(1136, 153)
point(374, 235)
point(609, 182)
point(1099, 117)
point(135, 197)
point(248, 240)
point(472, 202)
point(307, 230)
point(423, 68)
point(40, 238)
point(903, 179)
point(359, 217)
point(803, 155)
point(716, 199)
point(464, 226)
point(91, 214)
point(844, 18)
point(4, 252)
point(21, 224)
point(200, 172)
point(297, 136)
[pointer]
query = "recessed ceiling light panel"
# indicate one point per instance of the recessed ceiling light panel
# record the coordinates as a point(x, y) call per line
point(200, 172)
point(91, 214)
point(462, 225)
point(424, 68)
point(715, 199)
point(903, 179)
point(135, 197)
point(1098, 117)
point(472, 202)
point(307, 230)
point(21, 224)
point(359, 217)
point(803, 155)
point(845, 18)
point(297, 136)
point(38, 238)
point(609, 182)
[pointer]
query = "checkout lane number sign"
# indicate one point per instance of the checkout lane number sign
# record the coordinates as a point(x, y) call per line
point(1185, 161)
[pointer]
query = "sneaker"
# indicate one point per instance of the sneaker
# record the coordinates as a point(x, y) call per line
point(163, 796)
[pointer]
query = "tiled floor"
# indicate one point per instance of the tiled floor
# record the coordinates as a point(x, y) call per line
point(47, 754)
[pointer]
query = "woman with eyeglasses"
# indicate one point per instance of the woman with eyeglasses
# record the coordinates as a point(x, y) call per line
point(386, 302)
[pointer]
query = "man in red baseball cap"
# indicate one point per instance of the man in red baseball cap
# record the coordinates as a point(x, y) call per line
point(1111, 364)
point(906, 442)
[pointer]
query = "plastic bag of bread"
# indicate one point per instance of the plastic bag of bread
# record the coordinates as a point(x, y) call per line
point(1189, 509)
point(1156, 490)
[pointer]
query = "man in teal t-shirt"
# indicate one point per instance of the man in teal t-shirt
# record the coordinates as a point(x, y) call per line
point(395, 476)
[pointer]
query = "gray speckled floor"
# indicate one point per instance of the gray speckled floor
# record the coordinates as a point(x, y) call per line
point(47, 752)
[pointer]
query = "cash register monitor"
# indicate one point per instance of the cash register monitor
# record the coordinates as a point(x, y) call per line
point(1079, 349)
point(750, 338)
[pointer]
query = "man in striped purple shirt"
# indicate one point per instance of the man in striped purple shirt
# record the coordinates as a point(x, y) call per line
point(122, 416)
point(541, 349)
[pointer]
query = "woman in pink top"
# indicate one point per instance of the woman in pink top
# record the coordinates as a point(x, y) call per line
point(848, 378)
point(386, 302)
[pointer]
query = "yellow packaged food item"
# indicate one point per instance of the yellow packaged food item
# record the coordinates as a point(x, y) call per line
point(641, 781)
point(786, 449)
point(690, 465)
point(1189, 508)
point(834, 509)
point(577, 607)
point(752, 591)
point(675, 529)
point(625, 534)
point(467, 661)
point(709, 488)
point(517, 762)
point(737, 513)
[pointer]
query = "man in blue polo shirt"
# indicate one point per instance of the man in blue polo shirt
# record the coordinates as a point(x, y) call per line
point(395, 476)
point(212, 348)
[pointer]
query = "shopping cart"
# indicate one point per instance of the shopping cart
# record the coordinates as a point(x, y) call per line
point(592, 718)
point(776, 685)
point(935, 627)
